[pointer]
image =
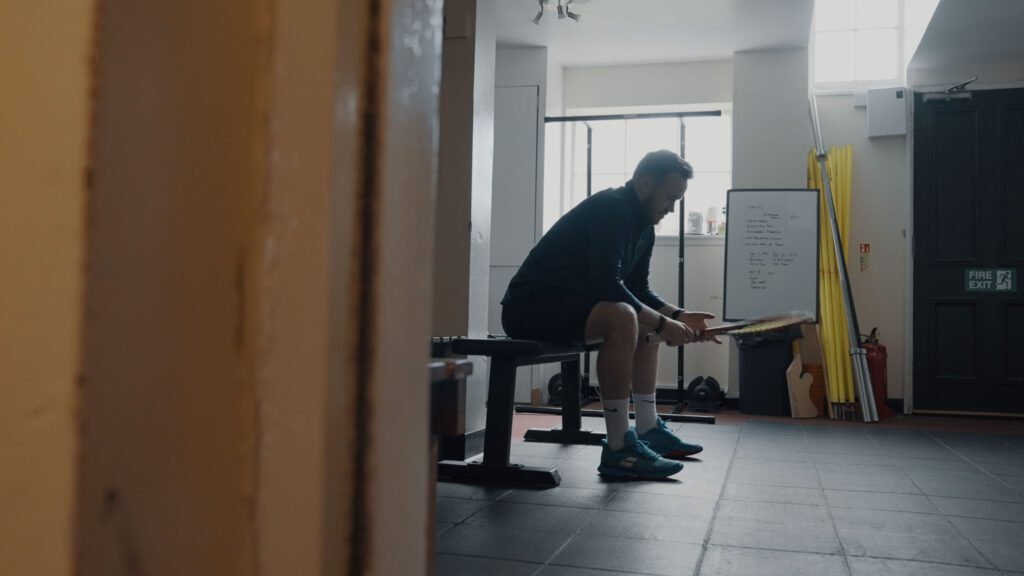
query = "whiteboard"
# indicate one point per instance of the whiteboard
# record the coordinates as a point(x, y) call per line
point(771, 253)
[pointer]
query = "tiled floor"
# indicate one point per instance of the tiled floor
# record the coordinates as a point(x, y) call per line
point(765, 498)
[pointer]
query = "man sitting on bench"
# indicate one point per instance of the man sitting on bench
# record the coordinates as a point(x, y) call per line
point(587, 280)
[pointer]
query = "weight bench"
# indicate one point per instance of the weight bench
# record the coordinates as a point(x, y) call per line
point(506, 355)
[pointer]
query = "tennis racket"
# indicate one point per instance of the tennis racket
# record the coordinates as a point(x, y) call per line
point(762, 324)
point(757, 325)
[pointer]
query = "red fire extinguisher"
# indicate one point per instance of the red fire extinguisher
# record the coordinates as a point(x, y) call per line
point(878, 359)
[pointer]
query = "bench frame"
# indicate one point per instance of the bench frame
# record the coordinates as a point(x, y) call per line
point(506, 355)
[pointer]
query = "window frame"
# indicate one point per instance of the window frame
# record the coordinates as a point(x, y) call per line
point(851, 86)
point(573, 116)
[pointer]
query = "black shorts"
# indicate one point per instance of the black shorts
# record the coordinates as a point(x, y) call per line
point(546, 317)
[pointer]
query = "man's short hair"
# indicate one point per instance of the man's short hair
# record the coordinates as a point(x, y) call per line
point(661, 163)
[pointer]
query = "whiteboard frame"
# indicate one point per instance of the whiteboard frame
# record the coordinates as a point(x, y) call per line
point(817, 249)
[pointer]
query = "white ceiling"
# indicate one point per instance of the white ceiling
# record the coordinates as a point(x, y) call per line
point(647, 31)
point(972, 33)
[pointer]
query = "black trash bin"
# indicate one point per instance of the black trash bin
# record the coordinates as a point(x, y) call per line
point(764, 359)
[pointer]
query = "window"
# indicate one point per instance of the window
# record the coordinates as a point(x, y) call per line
point(866, 43)
point(617, 146)
point(709, 150)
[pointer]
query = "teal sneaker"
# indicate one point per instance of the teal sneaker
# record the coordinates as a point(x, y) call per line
point(667, 444)
point(635, 460)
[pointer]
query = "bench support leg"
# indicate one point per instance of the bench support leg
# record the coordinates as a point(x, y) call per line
point(570, 432)
point(501, 389)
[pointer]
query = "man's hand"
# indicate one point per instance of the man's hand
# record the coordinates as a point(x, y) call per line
point(676, 333)
point(698, 322)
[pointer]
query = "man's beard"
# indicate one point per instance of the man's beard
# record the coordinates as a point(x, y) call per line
point(653, 217)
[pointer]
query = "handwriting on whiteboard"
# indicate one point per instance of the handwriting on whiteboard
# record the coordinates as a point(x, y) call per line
point(765, 243)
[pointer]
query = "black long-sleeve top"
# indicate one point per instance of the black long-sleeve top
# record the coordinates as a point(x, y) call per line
point(600, 250)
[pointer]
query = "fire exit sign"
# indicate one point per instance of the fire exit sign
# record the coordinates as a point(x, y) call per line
point(990, 280)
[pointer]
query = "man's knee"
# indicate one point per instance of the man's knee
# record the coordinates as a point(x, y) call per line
point(622, 319)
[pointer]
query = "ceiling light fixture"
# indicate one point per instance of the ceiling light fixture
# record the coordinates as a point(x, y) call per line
point(570, 13)
point(540, 13)
point(563, 9)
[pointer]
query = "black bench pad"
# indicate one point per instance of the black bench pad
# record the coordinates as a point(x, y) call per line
point(515, 347)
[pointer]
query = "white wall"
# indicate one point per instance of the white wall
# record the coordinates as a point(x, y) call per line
point(555, 86)
point(771, 128)
point(649, 85)
point(554, 156)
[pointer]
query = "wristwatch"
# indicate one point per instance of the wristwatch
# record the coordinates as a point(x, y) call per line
point(661, 324)
point(677, 313)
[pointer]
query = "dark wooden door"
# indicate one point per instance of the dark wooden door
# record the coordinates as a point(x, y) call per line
point(968, 214)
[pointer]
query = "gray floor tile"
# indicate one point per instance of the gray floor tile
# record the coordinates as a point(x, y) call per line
point(970, 475)
point(647, 526)
point(981, 530)
point(686, 483)
point(893, 522)
point(981, 490)
point(952, 464)
point(776, 466)
point(885, 567)
point(980, 508)
point(452, 565)
point(880, 501)
point(1005, 555)
point(455, 510)
point(544, 450)
point(773, 455)
point(576, 477)
point(536, 461)
point(746, 446)
point(952, 461)
point(729, 561)
point(937, 452)
point(1012, 482)
point(779, 494)
point(531, 517)
point(860, 470)
point(504, 544)
point(588, 454)
point(797, 537)
point(1004, 468)
point(992, 454)
point(471, 491)
point(911, 547)
point(904, 503)
point(588, 465)
point(774, 514)
point(998, 540)
point(869, 484)
point(798, 479)
point(849, 445)
point(562, 496)
point(550, 570)
point(678, 506)
point(627, 555)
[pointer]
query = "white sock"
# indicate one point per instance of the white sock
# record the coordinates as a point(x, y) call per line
point(616, 420)
point(646, 412)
